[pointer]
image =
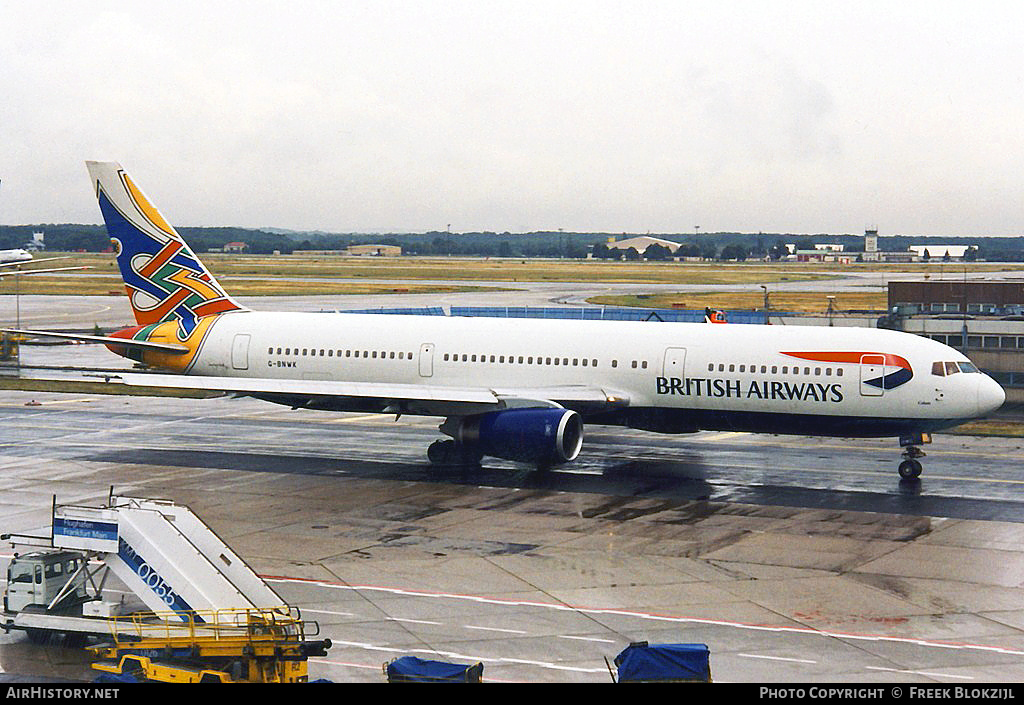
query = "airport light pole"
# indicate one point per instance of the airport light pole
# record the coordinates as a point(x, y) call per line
point(17, 312)
point(766, 321)
point(17, 317)
point(963, 330)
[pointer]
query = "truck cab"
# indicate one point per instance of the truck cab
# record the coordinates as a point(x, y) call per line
point(41, 578)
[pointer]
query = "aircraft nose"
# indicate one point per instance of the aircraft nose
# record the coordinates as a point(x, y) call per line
point(990, 395)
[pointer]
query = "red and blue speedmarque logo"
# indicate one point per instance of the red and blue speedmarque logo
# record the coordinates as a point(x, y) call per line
point(902, 373)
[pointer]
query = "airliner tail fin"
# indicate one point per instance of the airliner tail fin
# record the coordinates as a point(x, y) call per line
point(165, 281)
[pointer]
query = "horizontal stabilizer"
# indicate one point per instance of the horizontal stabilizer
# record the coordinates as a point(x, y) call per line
point(106, 340)
point(26, 272)
point(33, 260)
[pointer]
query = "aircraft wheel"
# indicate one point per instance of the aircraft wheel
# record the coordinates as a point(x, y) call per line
point(910, 469)
point(470, 456)
point(441, 452)
point(448, 453)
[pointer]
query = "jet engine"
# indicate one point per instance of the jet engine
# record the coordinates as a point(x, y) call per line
point(540, 436)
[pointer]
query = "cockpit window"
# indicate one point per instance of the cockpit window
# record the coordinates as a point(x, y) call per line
point(944, 369)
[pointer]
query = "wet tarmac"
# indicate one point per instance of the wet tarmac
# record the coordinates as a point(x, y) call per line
point(795, 559)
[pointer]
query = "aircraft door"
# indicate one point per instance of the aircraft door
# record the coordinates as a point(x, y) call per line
point(674, 363)
point(240, 351)
point(872, 374)
point(427, 360)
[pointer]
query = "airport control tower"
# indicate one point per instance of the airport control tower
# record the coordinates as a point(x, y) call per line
point(871, 245)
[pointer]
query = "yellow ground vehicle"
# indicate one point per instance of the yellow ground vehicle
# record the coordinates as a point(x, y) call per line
point(207, 615)
point(227, 646)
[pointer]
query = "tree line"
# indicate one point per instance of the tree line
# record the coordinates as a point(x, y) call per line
point(710, 246)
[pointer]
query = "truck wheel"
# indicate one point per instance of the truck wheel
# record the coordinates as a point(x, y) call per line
point(38, 636)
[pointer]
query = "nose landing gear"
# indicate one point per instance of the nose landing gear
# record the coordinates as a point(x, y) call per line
point(910, 468)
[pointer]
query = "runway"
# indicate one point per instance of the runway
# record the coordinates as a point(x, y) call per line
point(795, 559)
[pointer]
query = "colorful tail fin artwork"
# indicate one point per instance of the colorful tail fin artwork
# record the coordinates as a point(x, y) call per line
point(164, 280)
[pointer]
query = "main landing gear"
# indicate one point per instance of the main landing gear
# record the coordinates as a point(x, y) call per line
point(449, 453)
point(910, 468)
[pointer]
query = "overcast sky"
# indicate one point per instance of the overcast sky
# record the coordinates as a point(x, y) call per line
point(500, 115)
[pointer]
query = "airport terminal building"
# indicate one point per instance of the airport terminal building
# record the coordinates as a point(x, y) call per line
point(985, 320)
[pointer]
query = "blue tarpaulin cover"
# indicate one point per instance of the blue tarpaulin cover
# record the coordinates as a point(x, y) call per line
point(409, 669)
point(660, 662)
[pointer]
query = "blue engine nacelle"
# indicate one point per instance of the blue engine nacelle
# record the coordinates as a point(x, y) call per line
point(541, 436)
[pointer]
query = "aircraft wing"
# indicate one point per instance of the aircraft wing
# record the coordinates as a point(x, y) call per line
point(396, 398)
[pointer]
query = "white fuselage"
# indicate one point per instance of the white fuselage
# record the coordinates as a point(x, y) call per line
point(12, 256)
point(723, 376)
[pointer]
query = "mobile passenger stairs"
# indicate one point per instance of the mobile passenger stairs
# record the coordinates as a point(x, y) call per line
point(209, 618)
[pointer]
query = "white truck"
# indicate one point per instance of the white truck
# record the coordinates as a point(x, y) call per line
point(169, 561)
